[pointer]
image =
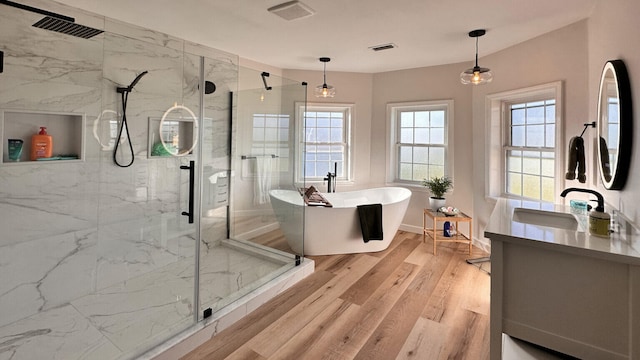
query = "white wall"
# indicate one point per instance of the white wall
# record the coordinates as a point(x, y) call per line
point(351, 88)
point(559, 55)
point(370, 93)
point(428, 83)
point(573, 54)
point(612, 29)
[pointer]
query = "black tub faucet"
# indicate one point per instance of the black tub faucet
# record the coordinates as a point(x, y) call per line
point(331, 179)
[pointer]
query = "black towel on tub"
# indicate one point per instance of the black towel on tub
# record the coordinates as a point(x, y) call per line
point(370, 221)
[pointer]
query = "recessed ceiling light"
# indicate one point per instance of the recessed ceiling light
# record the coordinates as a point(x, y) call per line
point(292, 10)
point(383, 47)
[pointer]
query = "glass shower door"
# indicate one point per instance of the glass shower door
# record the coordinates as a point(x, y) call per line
point(237, 219)
point(146, 248)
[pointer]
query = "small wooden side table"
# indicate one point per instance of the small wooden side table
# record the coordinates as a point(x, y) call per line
point(437, 232)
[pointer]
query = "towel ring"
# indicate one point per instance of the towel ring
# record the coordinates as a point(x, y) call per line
point(176, 152)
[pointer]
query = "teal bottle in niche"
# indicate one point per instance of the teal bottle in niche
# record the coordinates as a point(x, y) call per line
point(15, 149)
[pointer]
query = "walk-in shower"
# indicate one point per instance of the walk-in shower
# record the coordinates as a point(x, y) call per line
point(98, 261)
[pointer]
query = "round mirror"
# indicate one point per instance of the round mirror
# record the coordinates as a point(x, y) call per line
point(178, 136)
point(614, 125)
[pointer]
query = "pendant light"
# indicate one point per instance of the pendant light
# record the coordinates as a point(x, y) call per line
point(476, 75)
point(324, 90)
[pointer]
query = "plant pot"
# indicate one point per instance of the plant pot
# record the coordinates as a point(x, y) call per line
point(436, 203)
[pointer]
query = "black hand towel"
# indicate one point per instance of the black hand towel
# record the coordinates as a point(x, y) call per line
point(604, 159)
point(581, 165)
point(575, 160)
point(572, 159)
point(370, 221)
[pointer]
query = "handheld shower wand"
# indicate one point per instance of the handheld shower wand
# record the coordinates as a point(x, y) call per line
point(122, 90)
point(123, 126)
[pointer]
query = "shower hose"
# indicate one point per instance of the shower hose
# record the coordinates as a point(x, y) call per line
point(123, 127)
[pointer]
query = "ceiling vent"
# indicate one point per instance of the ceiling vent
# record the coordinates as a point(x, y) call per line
point(383, 47)
point(292, 10)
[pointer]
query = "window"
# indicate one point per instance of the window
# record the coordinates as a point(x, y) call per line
point(420, 141)
point(525, 143)
point(612, 132)
point(325, 141)
point(271, 137)
point(529, 151)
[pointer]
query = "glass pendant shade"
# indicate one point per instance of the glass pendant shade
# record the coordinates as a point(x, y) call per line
point(324, 90)
point(476, 75)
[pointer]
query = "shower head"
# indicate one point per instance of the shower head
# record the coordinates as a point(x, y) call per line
point(133, 83)
point(56, 22)
point(67, 27)
point(209, 87)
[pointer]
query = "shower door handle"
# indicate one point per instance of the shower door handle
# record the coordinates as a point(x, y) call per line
point(191, 167)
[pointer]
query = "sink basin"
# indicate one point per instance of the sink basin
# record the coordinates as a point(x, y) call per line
point(553, 219)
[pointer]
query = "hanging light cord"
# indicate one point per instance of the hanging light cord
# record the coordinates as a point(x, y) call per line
point(324, 74)
point(125, 127)
point(477, 51)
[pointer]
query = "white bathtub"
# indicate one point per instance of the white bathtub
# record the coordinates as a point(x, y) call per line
point(336, 230)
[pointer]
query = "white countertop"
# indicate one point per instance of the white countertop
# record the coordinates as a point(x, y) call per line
point(622, 246)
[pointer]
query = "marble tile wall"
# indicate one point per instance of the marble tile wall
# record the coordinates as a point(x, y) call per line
point(72, 230)
point(48, 212)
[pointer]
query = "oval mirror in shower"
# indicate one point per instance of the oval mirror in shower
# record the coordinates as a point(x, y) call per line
point(615, 125)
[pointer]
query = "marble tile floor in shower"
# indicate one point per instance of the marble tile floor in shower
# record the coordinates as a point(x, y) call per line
point(123, 320)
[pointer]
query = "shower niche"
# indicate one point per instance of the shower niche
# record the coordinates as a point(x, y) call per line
point(66, 129)
point(173, 136)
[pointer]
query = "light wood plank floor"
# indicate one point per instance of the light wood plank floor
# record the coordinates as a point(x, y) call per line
point(401, 303)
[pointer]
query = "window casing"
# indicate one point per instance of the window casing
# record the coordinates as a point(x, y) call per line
point(325, 141)
point(526, 160)
point(420, 141)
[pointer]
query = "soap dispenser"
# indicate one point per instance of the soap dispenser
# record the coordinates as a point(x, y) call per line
point(599, 222)
point(598, 219)
point(41, 145)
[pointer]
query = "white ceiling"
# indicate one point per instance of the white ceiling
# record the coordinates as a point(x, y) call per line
point(426, 32)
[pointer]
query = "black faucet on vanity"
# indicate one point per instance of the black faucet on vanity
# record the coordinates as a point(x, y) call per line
point(599, 221)
point(331, 179)
point(599, 208)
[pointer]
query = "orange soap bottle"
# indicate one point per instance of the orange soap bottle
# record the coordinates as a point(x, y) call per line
point(41, 145)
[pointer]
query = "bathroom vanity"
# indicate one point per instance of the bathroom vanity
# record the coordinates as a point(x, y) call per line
point(556, 286)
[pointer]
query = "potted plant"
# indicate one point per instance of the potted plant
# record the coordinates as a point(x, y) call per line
point(438, 186)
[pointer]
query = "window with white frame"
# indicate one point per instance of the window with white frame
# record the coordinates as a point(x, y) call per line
point(526, 160)
point(529, 151)
point(325, 141)
point(270, 137)
point(420, 141)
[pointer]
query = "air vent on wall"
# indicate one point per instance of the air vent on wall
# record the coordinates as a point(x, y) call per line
point(292, 10)
point(383, 47)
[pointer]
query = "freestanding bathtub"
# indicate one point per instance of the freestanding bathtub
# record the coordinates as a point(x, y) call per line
point(336, 230)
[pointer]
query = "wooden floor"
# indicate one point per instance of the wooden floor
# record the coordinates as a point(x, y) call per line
point(401, 303)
